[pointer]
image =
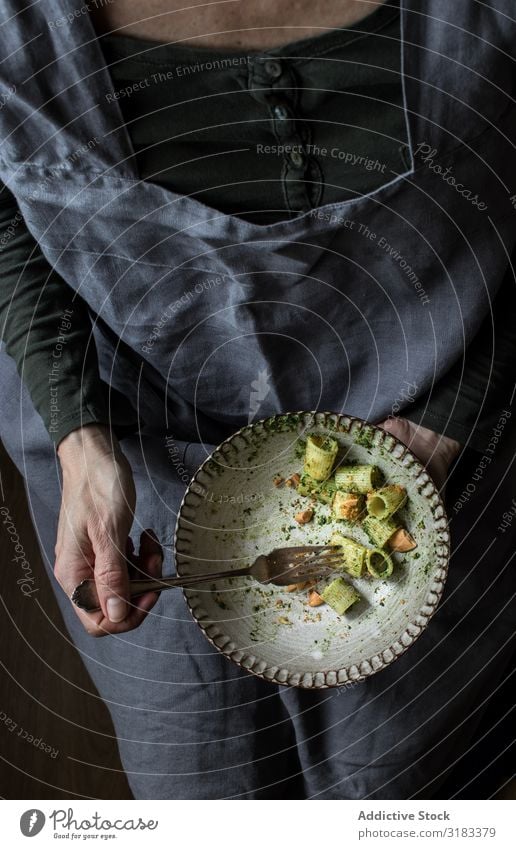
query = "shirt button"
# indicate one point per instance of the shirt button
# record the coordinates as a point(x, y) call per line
point(280, 113)
point(273, 68)
point(297, 159)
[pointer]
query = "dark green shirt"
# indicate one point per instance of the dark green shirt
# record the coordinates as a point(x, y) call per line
point(319, 121)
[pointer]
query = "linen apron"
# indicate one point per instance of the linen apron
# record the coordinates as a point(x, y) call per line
point(206, 321)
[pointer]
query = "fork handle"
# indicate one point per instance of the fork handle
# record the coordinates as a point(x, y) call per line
point(86, 597)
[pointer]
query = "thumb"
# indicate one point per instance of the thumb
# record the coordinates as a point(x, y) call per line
point(112, 579)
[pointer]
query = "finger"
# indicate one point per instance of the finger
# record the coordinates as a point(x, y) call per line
point(399, 428)
point(150, 563)
point(97, 625)
point(111, 577)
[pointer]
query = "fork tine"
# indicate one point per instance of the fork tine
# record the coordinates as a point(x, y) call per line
point(310, 574)
point(311, 570)
point(300, 551)
point(324, 560)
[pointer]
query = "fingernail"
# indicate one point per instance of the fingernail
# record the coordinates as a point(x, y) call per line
point(116, 609)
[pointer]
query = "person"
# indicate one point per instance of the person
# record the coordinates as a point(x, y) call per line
point(311, 197)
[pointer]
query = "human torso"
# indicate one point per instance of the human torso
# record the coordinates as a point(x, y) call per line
point(365, 294)
point(320, 122)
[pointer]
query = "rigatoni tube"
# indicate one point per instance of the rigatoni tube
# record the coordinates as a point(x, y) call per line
point(384, 502)
point(378, 563)
point(353, 554)
point(380, 531)
point(348, 505)
point(321, 490)
point(320, 455)
point(388, 533)
point(340, 595)
point(358, 478)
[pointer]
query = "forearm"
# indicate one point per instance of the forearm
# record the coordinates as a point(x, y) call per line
point(47, 331)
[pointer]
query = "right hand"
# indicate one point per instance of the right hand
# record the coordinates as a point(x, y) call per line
point(436, 451)
point(97, 508)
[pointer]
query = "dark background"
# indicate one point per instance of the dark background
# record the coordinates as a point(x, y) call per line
point(44, 686)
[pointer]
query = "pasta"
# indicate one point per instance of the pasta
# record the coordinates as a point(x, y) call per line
point(358, 478)
point(357, 494)
point(320, 455)
point(384, 502)
point(380, 531)
point(348, 505)
point(388, 533)
point(321, 490)
point(378, 563)
point(340, 595)
point(353, 554)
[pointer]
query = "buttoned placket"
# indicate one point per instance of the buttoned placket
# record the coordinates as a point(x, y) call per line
point(274, 84)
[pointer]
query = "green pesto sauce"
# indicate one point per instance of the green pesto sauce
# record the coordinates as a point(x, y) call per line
point(365, 438)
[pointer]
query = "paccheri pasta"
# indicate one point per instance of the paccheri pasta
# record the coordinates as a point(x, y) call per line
point(358, 496)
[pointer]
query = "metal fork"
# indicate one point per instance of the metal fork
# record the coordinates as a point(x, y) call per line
point(283, 566)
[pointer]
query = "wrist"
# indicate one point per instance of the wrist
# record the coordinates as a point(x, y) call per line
point(85, 441)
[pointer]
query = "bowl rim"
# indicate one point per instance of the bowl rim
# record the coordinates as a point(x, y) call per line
point(370, 666)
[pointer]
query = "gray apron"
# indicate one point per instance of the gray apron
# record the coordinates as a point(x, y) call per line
point(205, 321)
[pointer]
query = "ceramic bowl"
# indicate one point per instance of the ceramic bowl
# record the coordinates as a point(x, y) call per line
point(232, 511)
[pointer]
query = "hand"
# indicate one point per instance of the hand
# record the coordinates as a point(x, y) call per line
point(435, 451)
point(97, 507)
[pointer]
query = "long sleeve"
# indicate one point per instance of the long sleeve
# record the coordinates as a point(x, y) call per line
point(467, 403)
point(46, 329)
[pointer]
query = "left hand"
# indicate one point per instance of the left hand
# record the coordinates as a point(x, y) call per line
point(98, 501)
point(435, 451)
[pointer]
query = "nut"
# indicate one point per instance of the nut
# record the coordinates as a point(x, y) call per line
point(292, 588)
point(314, 599)
point(304, 516)
point(401, 540)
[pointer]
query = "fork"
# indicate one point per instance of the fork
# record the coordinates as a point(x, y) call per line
point(283, 566)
